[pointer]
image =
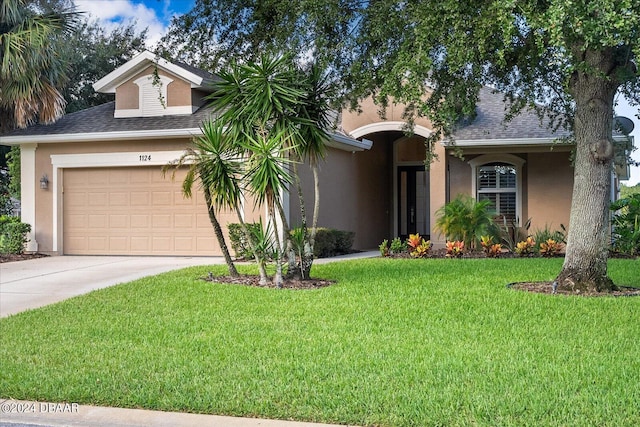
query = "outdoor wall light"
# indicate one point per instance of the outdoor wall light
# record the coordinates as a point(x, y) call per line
point(44, 182)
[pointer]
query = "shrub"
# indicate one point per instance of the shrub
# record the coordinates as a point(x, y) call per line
point(526, 247)
point(397, 246)
point(325, 243)
point(330, 242)
point(455, 249)
point(491, 249)
point(511, 233)
point(384, 248)
point(466, 219)
point(418, 247)
point(344, 241)
point(13, 235)
point(422, 250)
point(550, 248)
point(546, 234)
point(626, 225)
point(238, 240)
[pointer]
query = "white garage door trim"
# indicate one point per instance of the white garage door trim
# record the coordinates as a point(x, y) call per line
point(97, 160)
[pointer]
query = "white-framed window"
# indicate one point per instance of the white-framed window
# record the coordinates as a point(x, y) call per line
point(498, 178)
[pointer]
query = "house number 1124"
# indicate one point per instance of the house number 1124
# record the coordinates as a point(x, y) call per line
point(145, 157)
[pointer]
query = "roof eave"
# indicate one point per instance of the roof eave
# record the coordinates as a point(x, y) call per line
point(345, 143)
point(338, 141)
point(100, 136)
point(108, 83)
point(513, 142)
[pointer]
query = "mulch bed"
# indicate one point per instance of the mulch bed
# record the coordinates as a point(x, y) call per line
point(250, 280)
point(547, 288)
point(20, 257)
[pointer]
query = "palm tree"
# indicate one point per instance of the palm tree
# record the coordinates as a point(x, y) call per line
point(276, 101)
point(311, 148)
point(212, 161)
point(466, 219)
point(258, 104)
point(266, 177)
point(31, 71)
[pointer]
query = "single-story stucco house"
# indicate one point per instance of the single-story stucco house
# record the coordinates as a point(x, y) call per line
point(92, 184)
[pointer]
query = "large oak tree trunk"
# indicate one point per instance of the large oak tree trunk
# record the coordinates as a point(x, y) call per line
point(585, 263)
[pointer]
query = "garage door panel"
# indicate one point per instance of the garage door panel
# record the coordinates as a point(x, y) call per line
point(120, 211)
point(78, 221)
point(119, 221)
point(184, 244)
point(76, 199)
point(98, 199)
point(119, 199)
point(140, 244)
point(119, 243)
point(161, 198)
point(98, 243)
point(180, 200)
point(162, 244)
point(184, 220)
point(98, 176)
point(140, 198)
point(97, 221)
point(140, 221)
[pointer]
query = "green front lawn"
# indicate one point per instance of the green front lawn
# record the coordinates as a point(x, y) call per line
point(394, 342)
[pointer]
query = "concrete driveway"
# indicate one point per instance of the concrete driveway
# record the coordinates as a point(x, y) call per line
point(42, 281)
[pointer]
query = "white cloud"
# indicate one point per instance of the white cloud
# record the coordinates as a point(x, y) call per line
point(111, 13)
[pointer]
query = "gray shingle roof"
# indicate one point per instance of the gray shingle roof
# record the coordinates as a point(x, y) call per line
point(489, 122)
point(487, 125)
point(100, 119)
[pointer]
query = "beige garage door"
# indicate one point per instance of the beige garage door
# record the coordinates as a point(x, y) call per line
point(134, 211)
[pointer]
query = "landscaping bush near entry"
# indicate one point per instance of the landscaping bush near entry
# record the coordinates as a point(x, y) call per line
point(13, 235)
point(329, 242)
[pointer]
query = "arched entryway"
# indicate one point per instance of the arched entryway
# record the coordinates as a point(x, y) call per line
point(408, 193)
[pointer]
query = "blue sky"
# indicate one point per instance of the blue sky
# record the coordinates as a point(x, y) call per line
point(152, 14)
point(156, 16)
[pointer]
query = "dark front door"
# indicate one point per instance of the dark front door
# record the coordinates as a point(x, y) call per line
point(413, 201)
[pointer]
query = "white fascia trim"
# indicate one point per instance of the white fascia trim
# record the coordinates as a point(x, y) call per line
point(342, 142)
point(28, 184)
point(134, 158)
point(501, 142)
point(108, 83)
point(517, 142)
point(103, 136)
point(167, 111)
point(386, 126)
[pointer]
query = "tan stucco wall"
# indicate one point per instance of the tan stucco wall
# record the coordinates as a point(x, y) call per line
point(370, 113)
point(178, 91)
point(459, 177)
point(127, 96)
point(549, 188)
point(355, 194)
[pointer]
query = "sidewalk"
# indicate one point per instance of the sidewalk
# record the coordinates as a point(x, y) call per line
point(71, 414)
